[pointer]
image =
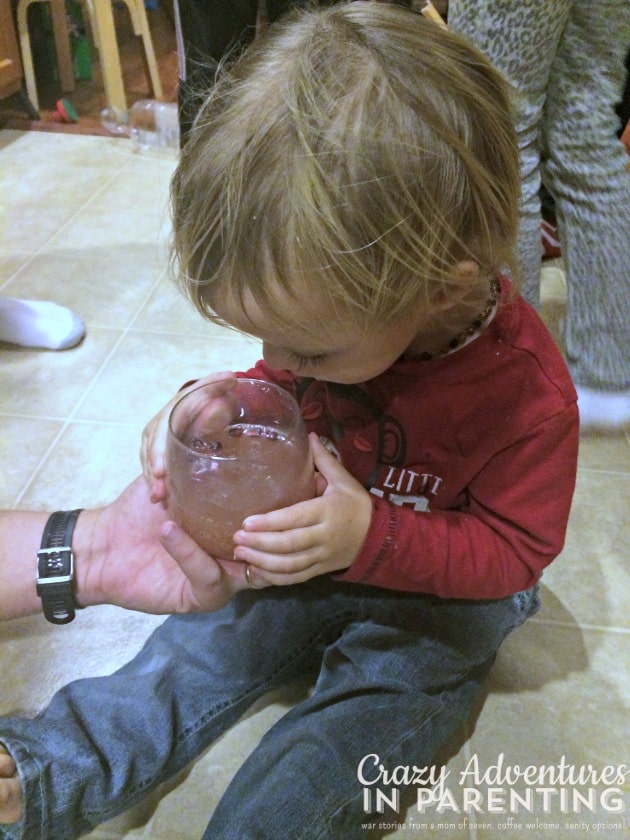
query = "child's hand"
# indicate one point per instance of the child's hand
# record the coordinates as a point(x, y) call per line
point(155, 433)
point(310, 538)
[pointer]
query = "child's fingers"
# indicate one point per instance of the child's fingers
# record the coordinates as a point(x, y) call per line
point(153, 439)
point(300, 515)
point(157, 490)
point(325, 462)
point(208, 402)
point(249, 546)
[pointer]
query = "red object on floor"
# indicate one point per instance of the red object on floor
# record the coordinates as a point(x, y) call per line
point(65, 112)
point(550, 241)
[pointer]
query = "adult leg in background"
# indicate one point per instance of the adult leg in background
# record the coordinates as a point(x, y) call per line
point(208, 32)
point(566, 60)
point(521, 38)
point(39, 324)
point(586, 170)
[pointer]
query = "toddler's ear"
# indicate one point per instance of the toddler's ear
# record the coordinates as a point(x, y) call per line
point(468, 269)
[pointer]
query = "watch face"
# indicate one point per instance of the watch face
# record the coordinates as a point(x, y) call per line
point(55, 563)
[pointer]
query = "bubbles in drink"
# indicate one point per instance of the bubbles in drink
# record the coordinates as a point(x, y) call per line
point(244, 469)
point(250, 430)
point(204, 446)
point(225, 444)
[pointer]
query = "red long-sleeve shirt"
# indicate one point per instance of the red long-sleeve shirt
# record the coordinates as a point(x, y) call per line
point(470, 459)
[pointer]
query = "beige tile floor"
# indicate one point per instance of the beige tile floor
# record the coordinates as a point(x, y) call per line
point(84, 223)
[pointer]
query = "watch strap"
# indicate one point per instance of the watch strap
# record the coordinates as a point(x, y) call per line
point(55, 567)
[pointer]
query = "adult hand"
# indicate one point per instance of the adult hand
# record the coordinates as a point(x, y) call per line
point(130, 554)
point(127, 553)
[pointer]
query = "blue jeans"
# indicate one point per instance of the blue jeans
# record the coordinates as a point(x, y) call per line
point(395, 674)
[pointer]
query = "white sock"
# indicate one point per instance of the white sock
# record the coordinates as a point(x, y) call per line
point(39, 324)
point(603, 410)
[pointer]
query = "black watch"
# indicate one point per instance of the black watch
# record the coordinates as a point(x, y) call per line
point(55, 567)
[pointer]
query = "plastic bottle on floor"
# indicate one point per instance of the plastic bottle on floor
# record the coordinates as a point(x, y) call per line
point(149, 123)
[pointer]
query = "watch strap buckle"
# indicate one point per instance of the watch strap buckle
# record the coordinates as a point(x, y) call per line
point(55, 568)
point(51, 559)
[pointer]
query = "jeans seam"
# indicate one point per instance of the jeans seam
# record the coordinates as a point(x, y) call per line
point(324, 833)
point(260, 687)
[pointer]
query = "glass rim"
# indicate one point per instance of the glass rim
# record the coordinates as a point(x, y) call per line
point(217, 456)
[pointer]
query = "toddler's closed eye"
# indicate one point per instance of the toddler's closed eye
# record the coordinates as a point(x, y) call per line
point(299, 362)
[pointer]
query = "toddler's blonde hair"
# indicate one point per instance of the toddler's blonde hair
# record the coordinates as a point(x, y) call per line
point(353, 155)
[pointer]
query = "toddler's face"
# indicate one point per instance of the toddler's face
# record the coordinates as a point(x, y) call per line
point(342, 352)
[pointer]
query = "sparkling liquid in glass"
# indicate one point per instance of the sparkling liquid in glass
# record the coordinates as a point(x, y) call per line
point(216, 477)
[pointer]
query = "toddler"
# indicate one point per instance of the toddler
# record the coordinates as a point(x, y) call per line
point(349, 195)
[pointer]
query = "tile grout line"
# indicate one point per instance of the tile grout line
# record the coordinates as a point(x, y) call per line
point(78, 420)
point(188, 334)
point(71, 417)
point(66, 422)
point(123, 334)
point(600, 628)
point(601, 471)
point(36, 469)
point(93, 197)
point(80, 402)
point(68, 221)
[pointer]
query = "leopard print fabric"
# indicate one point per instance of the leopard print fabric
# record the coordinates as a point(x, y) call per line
point(566, 60)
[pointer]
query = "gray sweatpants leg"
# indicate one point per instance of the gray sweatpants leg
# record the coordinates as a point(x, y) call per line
point(566, 59)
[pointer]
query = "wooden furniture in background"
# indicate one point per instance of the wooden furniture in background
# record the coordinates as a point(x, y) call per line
point(104, 35)
point(10, 64)
point(62, 47)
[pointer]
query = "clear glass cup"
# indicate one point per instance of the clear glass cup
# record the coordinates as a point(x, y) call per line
point(232, 452)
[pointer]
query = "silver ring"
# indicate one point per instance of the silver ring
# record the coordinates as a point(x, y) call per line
point(249, 579)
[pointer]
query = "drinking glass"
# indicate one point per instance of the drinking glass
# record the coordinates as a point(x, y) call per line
point(232, 452)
